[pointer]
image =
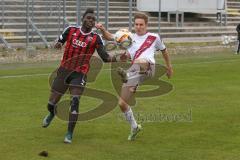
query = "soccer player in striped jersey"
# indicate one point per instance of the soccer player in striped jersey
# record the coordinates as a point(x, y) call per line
point(141, 53)
point(81, 42)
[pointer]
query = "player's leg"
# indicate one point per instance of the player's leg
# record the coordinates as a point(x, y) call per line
point(76, 89)
point(126, 93)
point(58, 89)
point(51, 106)
point(137, 69)
point(74, 111)
point(131, 73)
point(132, 78)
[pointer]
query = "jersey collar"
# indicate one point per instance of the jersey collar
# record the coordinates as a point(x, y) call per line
point(84, 32)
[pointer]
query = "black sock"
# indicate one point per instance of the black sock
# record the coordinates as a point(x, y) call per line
point(51, 108)
point(73, 115)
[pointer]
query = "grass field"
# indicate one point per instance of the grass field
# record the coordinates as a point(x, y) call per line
point(207, 85)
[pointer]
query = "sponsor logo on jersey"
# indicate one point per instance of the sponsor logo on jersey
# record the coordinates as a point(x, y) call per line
point(77, 43)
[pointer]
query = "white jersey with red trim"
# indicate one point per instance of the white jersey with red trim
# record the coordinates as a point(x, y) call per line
point(148, 53)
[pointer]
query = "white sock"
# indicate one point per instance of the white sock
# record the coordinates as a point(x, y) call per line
point(130, 118)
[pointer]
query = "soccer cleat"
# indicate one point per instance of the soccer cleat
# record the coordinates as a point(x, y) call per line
point(123, 74)
point(134, 132)
point(68, 138)
point(47, 120)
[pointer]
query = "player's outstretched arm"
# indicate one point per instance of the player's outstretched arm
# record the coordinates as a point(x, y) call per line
point(168, 63)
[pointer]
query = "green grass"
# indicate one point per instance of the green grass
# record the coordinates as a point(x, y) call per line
point(206, 84)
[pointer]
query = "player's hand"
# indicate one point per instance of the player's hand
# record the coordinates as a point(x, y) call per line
point(124, 57)
point(169, 72)
point(100, 26)
point(121, 57)
point(58, 45)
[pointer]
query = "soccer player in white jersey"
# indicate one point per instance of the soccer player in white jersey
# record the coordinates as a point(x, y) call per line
point(141, 53)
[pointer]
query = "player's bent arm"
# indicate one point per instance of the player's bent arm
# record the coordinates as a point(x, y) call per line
point(106, 35)
point(167, 60)
point(102, 52)
point(62, 38)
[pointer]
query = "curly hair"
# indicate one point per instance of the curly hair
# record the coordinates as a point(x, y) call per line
point(88, 10)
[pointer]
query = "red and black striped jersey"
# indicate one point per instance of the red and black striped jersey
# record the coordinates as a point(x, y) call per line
point(79, 48)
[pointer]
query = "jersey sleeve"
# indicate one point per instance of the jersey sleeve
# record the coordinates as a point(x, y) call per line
point(63, 37)
point(101, 50)
point(99, 41)
point(159, 45)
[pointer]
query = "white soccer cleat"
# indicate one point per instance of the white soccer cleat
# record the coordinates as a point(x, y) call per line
point(134, 132)
point(68, 138)
point(47, 120)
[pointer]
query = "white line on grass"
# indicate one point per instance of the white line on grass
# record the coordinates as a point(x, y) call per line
point(24, 75)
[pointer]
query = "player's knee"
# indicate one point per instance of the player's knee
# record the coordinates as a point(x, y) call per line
point(122, 103)
point(133, 89)
point(75, 104)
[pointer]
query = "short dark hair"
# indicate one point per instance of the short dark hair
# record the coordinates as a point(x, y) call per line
point(88, 10)
point(140, 15)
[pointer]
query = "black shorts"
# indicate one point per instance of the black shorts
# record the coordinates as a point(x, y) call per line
point(66, 78)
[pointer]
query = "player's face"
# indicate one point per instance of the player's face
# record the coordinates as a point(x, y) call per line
point(89, 21)
point(140, 27)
